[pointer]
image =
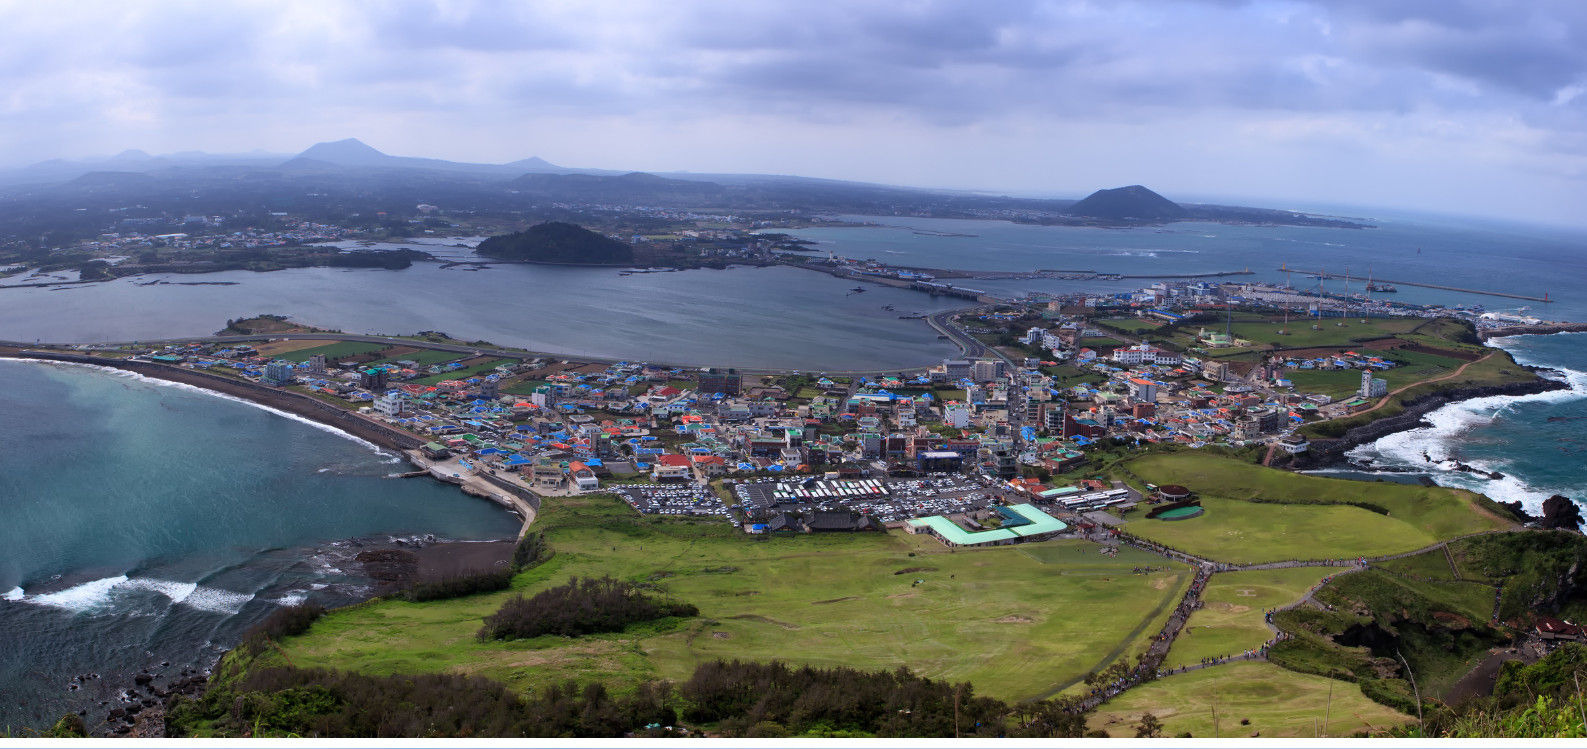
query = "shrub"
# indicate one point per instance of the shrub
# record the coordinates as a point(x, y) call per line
point(457, 586)
point(582, 606)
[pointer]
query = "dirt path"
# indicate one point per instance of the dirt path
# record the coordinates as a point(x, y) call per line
point(1458, 371)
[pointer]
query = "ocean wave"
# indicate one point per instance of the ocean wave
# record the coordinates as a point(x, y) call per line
point(96, 594)
point(1447, 427)
point(89, 595)
point(113, 371)
point(15, 594)
point(291, 599)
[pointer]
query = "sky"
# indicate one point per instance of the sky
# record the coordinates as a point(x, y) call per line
point(1451, 106)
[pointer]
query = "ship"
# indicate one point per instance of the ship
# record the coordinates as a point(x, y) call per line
point(858, 289)
point(1382, 288)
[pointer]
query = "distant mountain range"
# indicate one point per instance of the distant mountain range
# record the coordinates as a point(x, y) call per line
point(350, 169)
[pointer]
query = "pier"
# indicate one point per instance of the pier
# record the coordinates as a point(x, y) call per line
point(1332, 276)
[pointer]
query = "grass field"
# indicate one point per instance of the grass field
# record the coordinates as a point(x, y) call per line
point(1232, 620)
point(1130, 325)
point(461, 374)
point(424, 357)
point(332, 351)
point(1429, 511)
point(1015, 621)
point(1301, 334)
point(1433, 564)
point(279, 349)
point(1273, 702)
point(1251, 533)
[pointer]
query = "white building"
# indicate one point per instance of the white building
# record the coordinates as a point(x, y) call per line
point(391, 404)
point(956, 414)
point(1146, 354)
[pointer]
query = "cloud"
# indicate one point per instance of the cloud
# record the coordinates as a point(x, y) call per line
point(1488, 86)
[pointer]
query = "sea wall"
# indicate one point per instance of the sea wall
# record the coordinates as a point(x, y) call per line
point(1326, 452)
point(295, 403)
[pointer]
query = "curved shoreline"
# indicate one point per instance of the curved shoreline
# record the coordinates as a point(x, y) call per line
point(522, 502)
point(1330, 453)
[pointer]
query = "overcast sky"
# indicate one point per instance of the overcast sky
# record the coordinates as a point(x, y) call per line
point(1445, 105)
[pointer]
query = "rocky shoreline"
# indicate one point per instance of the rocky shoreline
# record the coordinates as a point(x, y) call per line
point(1330, 453)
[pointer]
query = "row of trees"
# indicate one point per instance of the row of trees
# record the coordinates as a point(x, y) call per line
point(580, 607)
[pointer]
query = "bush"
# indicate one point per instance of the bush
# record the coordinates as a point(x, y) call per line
point(287, 621)
point(531, 550)
point(582, 606)
point(457, 586)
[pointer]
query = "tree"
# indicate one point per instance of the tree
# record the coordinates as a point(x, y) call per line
point(1148, 727)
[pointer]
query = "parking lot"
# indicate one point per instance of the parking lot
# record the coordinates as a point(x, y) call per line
point(900, 499)
point(672, 499)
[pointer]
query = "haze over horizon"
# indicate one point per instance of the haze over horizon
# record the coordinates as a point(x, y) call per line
point(1448, 107)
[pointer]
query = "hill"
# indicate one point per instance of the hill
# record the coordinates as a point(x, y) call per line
point(1133, 202)
point(558, 242)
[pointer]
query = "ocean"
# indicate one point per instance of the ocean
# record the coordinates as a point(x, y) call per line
point(152, 523)
point(149, 523)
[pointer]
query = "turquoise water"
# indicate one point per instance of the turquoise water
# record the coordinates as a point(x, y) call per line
point(149, 523)
point(1537, 442)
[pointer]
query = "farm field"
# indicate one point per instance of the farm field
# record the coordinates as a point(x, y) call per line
point(332, 350)
point(1232, 619)
point(1015, 621)
point(1272, 702)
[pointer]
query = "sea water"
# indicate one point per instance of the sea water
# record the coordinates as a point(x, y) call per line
point(148, 522)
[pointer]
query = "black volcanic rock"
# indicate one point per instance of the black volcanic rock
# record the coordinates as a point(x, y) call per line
point(1122, 203)
point(558, 242)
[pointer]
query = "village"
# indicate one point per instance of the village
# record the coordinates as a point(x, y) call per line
point(952, 450)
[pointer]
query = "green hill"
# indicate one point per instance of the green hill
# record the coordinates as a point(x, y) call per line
point(558, 242)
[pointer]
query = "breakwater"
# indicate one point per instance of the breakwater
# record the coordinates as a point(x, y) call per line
point(1441, 287)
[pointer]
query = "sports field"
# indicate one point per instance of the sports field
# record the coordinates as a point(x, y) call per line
point(1232, 619)
point(1271, 702)
point(1015, 621)
point(1251, 533)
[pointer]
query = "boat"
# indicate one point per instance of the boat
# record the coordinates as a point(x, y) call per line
point(1382, 288)
point(858, 289)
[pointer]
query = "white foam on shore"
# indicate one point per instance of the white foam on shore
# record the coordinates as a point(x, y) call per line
point(117, 372)
point(291, 599)
point(98, 593)
point(89, 595)
point(1448, 426)
point(15, 594)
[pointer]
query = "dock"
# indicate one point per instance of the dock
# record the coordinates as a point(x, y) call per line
point(1339, 276)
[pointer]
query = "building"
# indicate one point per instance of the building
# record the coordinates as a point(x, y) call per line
point(1022, 522)
point(1143, 390)
point(489, 389)
point(1372, 387)
point(316, 364)
point(670, 467)
point(714, 381)
point(956, 369)
point(583, 477)
point(391, 404)
point(278, 373)
point(1146, 354)
point(956, 414)
point(986, 370)
point(373, 378)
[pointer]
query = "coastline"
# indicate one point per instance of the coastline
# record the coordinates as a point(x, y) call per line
point(519, 501)
point(1331, 453)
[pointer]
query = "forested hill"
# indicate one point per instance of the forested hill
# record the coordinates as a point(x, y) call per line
point(558, 242)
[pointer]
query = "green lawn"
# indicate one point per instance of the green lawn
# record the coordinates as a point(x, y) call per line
point(1232, 619)
point(1301, 335)
point(1335, 383)
point(462, 374)
point(1275, 702)
point(1250, 533)
point(1433, 564)
point(1015, 621)
point(425, 358)
point(1429, 510)
point(332, 351)
point(1131, 325)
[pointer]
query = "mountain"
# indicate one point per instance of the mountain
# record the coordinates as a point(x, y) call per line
point(352, 152)
point(348, 152)
point(1133, 202)
point(558, 242)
